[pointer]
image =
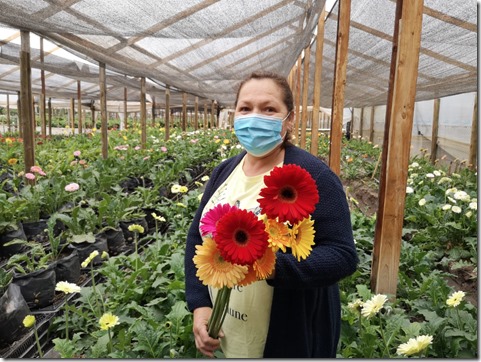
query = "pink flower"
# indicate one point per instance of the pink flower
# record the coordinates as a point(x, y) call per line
point(41, 173)
point(137, 148)
point(146, 158)
point(72, 187)
point(209, 220)
point(35, 169)
point(30, 176)
point(76, 153)
point(163, 149)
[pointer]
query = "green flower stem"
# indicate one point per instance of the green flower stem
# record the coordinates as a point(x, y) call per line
point(37, 341)
point(110, 341)
point(219, 312)
point(383, 338)
point(66, 318)
point(136, 252)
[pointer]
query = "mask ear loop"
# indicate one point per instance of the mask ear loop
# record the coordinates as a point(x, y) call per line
point(285, 133)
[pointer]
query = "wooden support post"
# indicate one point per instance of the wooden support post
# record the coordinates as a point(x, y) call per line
point(196, 114)
point(297, 93)
point(371, 126)
point(184, 111)
point(361, 122)
point(72, 115)
point(305, 93)
point(167, 113)
point(43, 123)
point(396, 146)
point(126, 124)
point(212, 114)
point(205, 116)
point(473, 145)
point(103, 111)
point(79, 107)
point(9, 124)
point(26, 101)
point(143, 113)
point(49, 104)
point(153, 111)
point(343, 23)
point(317, 84)
point(434, 132)
point(19, 116)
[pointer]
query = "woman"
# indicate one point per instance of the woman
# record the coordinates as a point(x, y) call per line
point(296, 312)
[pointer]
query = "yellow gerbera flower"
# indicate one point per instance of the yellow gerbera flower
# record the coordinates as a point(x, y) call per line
point(108, 321)
point(136, 228)
point(302, 238)
point(12, 161)
point(91, 257)
point(29, 321)
point(455, 298)
point(279, 236)
point(213, 270)
point(183, 189)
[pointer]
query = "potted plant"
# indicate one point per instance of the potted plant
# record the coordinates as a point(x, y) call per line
point(82, 232)
point(34, 274)
point(13, 309)
point(10, 227)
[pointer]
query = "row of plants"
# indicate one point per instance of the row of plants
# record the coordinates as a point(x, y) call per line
point(138, 309)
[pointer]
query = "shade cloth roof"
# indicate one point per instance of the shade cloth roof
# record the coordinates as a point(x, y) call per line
point(205, 47)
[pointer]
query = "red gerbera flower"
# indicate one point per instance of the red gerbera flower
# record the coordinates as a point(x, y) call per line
point(209, 220)
point(290, 194)
point(241, 237)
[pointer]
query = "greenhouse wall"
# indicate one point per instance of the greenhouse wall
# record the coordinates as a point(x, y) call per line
point(454, 130)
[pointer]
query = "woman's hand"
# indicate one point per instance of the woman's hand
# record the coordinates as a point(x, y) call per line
point(204, 343)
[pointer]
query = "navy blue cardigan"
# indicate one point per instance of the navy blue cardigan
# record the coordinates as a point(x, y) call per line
point(305, 314)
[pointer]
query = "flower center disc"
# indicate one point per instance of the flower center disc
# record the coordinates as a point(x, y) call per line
point(288, 194)
point(241, 237)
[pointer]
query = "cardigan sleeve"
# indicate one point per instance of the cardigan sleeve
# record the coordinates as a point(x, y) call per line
point(334, 254)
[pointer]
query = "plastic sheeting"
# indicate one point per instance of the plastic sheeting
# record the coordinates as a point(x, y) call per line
point(206, 47)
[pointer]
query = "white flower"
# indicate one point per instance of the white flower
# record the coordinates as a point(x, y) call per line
point(452, 200)
point(443, 180)
point(455, 298)
point(451, 191)
point(410, 181)
point(205, 178)
point(414, 345)
point(430, 175)
point(374, 305)
point(468, 214)
point(422, 202)
point(446, 207)
point(175, 189)
point(473, 205)
point(436, 173)
point(456, 209)
point(414, 165)
point(67, 288)
point(462, 195)
point(409, 190)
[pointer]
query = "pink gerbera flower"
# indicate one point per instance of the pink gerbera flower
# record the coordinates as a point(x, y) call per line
point(30, 176)
point(163, 149)
point(208, 222)
point(72, 187)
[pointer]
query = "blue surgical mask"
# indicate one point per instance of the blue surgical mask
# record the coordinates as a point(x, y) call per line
point(259, 134)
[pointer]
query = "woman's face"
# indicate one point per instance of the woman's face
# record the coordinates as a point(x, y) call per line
point(263, 96)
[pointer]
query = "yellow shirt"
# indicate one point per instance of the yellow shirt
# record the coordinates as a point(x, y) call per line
point(247, 321)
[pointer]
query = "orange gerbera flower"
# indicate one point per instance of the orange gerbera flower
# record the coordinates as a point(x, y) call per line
point(241, 237)
point(279, 235)
point(302, 238)
point(290, 194)
point(265, 265)
point(213, 270)
point(250, 277)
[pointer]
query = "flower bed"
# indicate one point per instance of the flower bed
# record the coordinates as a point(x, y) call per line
point(143, 285)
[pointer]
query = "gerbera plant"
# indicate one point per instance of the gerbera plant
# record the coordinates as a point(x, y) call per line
point(240, 247)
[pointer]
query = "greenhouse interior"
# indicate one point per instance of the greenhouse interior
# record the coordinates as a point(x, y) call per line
point(114, 118)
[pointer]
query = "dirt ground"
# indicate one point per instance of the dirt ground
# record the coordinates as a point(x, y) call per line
point(364, 196)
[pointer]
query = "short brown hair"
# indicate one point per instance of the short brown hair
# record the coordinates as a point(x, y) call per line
point(279, 80)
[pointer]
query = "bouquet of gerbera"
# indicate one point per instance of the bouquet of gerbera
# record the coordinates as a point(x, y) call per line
point(240, 248)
